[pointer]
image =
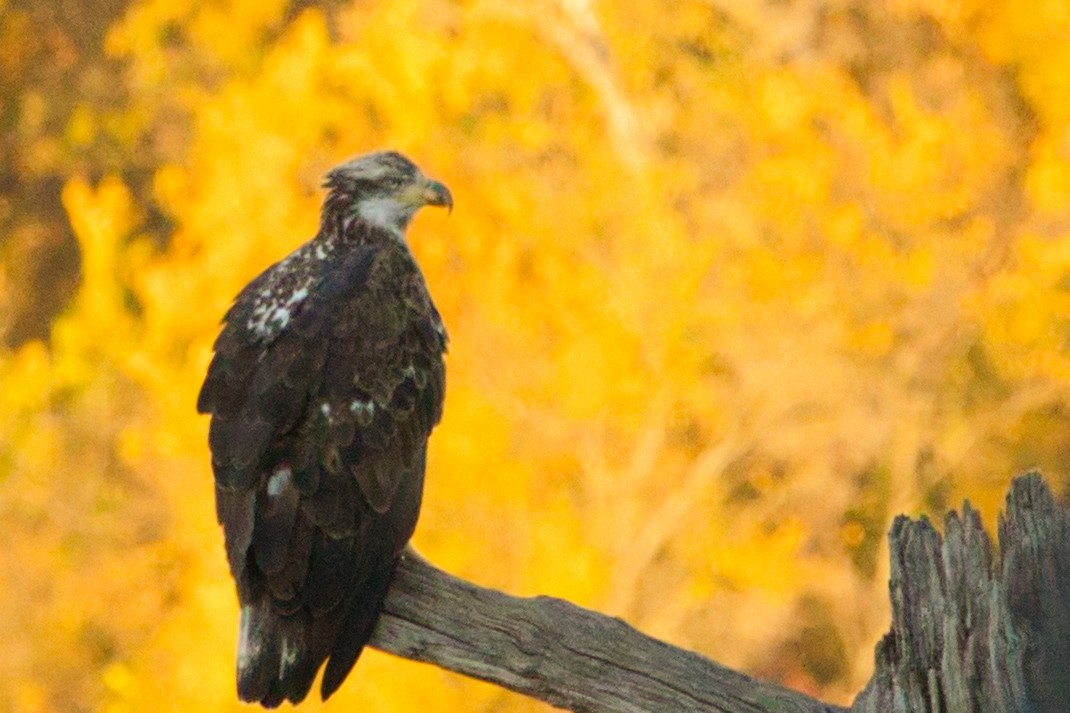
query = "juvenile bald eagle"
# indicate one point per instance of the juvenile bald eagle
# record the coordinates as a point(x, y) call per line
point(327, 379)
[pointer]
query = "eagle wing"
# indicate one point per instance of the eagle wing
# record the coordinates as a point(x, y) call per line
point(318, 437)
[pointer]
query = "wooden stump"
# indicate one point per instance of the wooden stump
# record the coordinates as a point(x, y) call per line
point(972, 633)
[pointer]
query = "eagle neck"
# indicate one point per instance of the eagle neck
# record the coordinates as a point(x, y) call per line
point(359, 220)
point(356, 232)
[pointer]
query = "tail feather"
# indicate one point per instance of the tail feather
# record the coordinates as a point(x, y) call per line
point(279, 653)
point(275, 662)
point(356, 629)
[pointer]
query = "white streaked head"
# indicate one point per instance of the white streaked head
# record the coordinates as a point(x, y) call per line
point(384, 189)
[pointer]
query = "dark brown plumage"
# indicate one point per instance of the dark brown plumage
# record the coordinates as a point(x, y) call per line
point(327, 379)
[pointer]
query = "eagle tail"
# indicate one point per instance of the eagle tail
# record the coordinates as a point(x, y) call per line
point(356, 628)
point(274, 660)
point(278, 655)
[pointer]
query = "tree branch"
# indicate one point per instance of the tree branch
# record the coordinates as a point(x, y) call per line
point(559, 653)
point(971, 633)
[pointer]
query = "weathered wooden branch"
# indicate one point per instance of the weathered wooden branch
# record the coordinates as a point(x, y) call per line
point(557, 652)
point(967, 634)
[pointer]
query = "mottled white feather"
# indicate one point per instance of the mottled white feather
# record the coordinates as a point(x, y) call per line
point(279, 481)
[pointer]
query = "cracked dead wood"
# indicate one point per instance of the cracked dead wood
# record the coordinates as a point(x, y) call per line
point(557, 652)
point(970, 631)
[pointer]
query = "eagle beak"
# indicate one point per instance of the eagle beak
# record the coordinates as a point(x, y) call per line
point(434, 193)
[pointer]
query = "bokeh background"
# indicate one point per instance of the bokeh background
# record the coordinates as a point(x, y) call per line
point(730, 283)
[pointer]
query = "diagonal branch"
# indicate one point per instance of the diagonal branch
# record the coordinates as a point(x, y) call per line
point(559, 653)
point(972, 632)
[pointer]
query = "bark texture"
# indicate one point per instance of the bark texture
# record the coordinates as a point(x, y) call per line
point(971, 631)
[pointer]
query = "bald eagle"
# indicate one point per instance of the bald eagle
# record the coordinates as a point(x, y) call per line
point(327, 379)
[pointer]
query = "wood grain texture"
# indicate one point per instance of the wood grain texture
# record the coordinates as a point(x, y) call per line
point(559, 653)
point(972, 631)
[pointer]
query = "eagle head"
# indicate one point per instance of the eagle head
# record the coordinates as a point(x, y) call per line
point(384, 189)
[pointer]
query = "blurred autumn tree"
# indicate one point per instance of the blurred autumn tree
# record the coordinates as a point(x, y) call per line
point(729, 284)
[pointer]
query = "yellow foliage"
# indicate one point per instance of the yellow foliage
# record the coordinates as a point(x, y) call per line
point(727, 287)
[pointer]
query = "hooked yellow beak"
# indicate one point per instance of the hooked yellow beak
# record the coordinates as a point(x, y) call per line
point(434, 193)
point(426, 191)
